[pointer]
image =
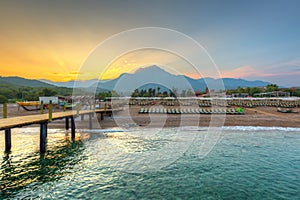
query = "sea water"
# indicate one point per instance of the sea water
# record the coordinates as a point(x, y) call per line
point(244, 163)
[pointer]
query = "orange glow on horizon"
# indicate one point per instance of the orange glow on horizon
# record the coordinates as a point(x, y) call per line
point(62, 62)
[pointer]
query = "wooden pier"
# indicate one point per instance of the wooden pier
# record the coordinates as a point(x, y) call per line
point(7, 124)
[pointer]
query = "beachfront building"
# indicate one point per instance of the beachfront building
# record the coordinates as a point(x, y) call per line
point(272, 94)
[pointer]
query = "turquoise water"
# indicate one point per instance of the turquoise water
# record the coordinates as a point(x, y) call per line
point(246, 163)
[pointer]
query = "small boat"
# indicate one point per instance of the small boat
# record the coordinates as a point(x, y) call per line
point(24, 105)
point(287, 110)
point(28, 103)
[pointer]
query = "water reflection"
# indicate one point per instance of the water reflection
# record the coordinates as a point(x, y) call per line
point(19, 171)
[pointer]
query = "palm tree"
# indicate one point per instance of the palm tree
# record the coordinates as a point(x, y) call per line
point(150, 92)
point(158, 88)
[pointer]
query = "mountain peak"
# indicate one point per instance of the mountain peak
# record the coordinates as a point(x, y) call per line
point(152, 69)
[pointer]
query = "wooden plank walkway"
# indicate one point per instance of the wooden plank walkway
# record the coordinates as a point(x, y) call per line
point(7, 124)
point(13, 122)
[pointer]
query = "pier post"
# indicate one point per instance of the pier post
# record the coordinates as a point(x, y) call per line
point(90, 121)
point(67, 123)
point(90, 104)
point(42, 107)
point(82, 117)
point(77, 109)
point(101, 116)
point(94, 108)
point(43, 137)
point(4, 114)
point(7, 140)
point(72, 127)
point(50, 107)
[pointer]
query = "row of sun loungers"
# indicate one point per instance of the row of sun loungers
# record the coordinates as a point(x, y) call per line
point(224, 103)
point(250, 104)
point(205, 104)
point(139, 103)
point(233, 111)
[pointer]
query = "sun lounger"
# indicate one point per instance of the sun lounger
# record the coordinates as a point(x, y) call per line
point(141, 110)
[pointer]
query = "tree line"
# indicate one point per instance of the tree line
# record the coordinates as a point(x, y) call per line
point(152, 92)
point(268, 88)
point(10, 93)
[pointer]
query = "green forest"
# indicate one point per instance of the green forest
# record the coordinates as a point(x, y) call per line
point(268, 88)
point(11, 93)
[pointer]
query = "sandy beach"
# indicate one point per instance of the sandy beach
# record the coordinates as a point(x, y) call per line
point(259, 116)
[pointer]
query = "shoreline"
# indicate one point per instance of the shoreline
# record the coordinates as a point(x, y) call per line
point(254, 117)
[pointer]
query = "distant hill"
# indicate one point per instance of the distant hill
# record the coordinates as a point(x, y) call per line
point(71, 84)
point(232, 83)
point(154, 75)
point(18, 81)
point(143, 78)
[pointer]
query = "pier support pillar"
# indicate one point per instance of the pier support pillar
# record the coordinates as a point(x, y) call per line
point(4, 113)
point(46, 131)
point(82, 117)
point(72, 127)
point(101, 116)
point(42, 107)
point(7, 139)
point(43, 137)
point(67, 123)
point(50, 110)
point(90, 121)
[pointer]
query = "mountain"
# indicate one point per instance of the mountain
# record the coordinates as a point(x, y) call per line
point(126, 83)
point(143, 78)
point(232, 83)
point(71, 84)
point(154, 86)
point(18, 81)
point(154, 75)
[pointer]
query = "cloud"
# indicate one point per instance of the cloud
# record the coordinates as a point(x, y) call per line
point(290, 63)
point(274, 70)
point(282, 73)
point(288, 67)
point(74, 73)
point(240, 72)
point(134, 60)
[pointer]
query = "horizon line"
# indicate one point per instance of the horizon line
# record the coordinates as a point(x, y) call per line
point(40, 79)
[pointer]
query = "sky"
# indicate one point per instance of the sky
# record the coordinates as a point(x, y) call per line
point(253, 40)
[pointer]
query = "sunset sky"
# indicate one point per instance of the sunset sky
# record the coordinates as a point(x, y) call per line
point(254, 40)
